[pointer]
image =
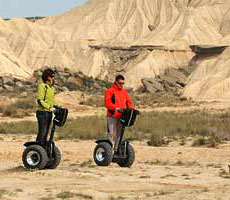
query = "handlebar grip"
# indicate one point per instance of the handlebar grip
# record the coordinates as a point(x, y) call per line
point(138, 112)
point(120, 111)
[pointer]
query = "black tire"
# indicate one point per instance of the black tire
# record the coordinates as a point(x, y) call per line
point(130, 157)
point(56, 159)
point(34, 157)
point(103, 154)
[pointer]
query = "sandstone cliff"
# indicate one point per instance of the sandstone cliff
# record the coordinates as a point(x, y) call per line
point(139, 38)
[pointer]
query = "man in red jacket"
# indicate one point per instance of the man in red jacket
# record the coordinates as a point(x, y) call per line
point(116, 98)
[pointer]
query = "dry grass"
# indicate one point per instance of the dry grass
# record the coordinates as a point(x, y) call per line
point(24, 127)
point(20, 108)
point(159, 128)
point(157, 100)
point(69, 195)
point(83, 128)
point(216, 127)
point(4, 194)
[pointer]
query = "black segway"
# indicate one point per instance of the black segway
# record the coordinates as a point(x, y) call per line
point(103, 152)
point(37, 156)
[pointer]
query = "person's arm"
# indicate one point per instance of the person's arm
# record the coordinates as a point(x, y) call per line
point(108, 100)
point(128, 102)
point(41, 95)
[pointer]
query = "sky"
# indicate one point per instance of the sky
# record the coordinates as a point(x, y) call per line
point(33, 8)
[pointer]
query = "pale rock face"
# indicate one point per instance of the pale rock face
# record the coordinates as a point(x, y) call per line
point(173, 25)
point(155, 64)
point(211, 80)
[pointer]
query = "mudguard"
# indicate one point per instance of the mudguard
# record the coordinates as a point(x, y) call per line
point(32, 143)
point(104, 140)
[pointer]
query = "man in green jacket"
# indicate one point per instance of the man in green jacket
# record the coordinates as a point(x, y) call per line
point(45, 105)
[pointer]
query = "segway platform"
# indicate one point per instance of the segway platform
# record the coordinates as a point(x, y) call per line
point(103, 153)
point(38, 156)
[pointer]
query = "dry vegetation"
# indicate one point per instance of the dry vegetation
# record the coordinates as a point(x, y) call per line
point(20, 107)
point(170, 171)
point(158, 128)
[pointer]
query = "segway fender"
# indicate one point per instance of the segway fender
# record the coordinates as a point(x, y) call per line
point(104, 140)
point(31, 143)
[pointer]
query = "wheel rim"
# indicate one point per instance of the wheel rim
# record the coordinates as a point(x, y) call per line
point(33, 158)
point(100, 154)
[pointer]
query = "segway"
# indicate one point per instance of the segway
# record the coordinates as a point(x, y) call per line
point(38, 156)
point(103, 152)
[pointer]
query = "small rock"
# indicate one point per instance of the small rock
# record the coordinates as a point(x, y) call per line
point(76, 81)
point(8, 81)
point(19, 84)
point(65, 89)
point(24, 94)
point(8, 88)
point(65, 74)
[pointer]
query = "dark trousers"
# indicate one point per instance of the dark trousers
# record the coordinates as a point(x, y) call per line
point(44, 120)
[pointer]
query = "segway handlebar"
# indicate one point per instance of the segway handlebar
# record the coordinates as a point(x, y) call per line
point(60, 116)
point(123, 110)
point(128, 116)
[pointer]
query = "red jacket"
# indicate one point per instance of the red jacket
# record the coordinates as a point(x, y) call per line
point(116, 98)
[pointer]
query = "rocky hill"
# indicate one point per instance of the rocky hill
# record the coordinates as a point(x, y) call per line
point(143, 39)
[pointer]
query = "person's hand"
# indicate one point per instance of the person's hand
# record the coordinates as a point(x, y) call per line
point(119, 110)
point(138, 112)
point(52, 109)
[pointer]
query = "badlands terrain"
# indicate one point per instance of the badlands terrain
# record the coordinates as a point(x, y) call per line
point(175, 47)
point(139, 38)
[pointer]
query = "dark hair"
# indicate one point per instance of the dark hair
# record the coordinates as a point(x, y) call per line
point(47, 73)
point(119, 77)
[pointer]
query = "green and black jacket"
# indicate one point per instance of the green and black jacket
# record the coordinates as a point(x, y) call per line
point(45, 97)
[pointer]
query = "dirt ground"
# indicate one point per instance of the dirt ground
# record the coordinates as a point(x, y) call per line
point(175, 172)
point(172, 172)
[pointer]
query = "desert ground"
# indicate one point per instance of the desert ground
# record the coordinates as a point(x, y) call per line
point(175, 46)
point(170, 172)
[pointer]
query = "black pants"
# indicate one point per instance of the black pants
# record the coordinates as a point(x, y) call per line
point(44, 120)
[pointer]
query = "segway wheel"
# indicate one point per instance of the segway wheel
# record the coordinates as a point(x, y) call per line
point(127, 162)
point(35, 157)
point(55, 160)
point(103, 154)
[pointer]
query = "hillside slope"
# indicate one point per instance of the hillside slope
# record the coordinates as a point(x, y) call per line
point(140, 38)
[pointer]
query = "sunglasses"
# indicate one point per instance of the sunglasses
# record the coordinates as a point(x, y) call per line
point(120, 83)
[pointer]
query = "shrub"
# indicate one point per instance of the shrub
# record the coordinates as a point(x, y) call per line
point(199, 141)
point(156, 139)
